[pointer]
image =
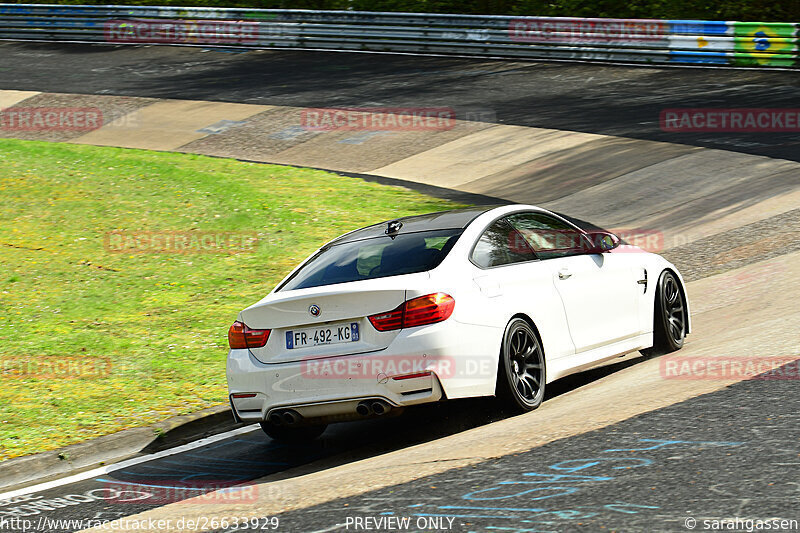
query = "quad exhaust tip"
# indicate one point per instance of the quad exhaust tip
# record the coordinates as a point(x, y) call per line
point(373, 407)
point(365, 408)
point(285, 417)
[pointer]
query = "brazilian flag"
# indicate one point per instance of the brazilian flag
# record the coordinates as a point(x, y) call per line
point(771, 44)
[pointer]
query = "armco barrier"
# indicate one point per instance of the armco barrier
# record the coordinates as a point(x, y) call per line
point(751, 44)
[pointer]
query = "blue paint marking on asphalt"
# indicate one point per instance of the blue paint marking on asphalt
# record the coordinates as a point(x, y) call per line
point(662, 443)
point(473, 508)
point(466, 515)
point(567, 490)
point(557, 477)
point(594, 461)
point(533, 514)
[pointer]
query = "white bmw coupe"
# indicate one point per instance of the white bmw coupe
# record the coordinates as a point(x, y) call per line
point(474, 302)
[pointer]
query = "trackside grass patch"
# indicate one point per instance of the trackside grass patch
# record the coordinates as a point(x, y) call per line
point(121, 270)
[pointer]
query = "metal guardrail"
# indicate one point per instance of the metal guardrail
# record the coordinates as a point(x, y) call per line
point(619, 40)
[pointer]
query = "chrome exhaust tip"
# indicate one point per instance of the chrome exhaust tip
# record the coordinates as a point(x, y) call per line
point(364, 409)
point(290, 418)
point(379, 408)
point(275, 419)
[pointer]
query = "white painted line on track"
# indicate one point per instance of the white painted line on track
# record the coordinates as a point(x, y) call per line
point(126, 463)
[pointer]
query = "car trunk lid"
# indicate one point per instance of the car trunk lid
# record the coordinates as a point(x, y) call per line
point(326, 321)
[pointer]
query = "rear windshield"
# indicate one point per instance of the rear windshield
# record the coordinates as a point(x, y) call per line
point(378, 257)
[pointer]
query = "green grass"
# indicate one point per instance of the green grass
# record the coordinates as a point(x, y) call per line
point(149, 328)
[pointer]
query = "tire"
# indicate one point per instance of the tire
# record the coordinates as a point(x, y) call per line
point(293, 435)
point(669, 316)
point(522, 372)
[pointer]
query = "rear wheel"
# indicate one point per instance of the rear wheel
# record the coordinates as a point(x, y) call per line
point(521, 376)
point(293, 434)
point(669, 316)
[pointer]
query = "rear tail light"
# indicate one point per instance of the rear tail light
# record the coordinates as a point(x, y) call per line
point(390, 320)
point(428, 310)
point(420, 311)
point(240, 336)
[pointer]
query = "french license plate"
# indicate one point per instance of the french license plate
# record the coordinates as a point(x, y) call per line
point(318, 336)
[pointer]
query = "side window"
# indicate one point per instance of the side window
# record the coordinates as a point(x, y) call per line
point(501, 244)
point(548, 236)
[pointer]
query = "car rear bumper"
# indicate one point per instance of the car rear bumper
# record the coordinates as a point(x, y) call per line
point(422, 365)
point(319, 388)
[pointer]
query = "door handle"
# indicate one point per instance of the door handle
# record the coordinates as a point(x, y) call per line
point(643, 281)
point(564, 274)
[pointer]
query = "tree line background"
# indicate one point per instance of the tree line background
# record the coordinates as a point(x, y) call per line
point(743, 10)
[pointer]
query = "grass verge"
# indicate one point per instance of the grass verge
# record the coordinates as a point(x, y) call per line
point(101, 331)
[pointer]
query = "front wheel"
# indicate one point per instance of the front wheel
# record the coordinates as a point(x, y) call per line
point(294, 435)
point(521, 374)
point(669, 316)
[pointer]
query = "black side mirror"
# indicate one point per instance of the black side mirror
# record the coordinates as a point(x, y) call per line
point(602, 241)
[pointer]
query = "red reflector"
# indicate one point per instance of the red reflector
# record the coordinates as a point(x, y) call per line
point(240, 336)
point(412, 376)
point(244, 395)
point(420, 311)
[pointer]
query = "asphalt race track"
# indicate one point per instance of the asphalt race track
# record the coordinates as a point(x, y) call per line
point(650, 473)
point(249, 456)
point(612, 100)
point(618, 448)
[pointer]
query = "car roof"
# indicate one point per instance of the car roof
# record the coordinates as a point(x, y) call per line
point(453, 219)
